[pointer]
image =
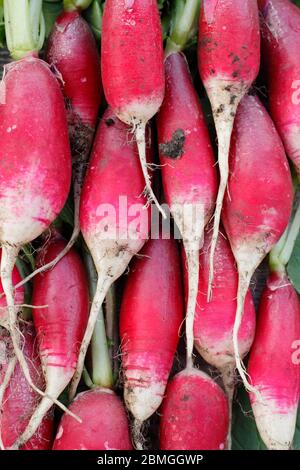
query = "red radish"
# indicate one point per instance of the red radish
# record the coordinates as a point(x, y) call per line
point(194, 414)
point(258, 203)
point(189, 176)
point(229, 57)
point(214, 320)
point(104, 423)
point(132, 67)
point(114, 218)
point(18, 296)
point(60, 326)
point(150, 325)
point(19, 400)
point(281, 43)
point(272, 368)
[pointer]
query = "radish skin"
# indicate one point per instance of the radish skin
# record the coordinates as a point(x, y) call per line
point(113, 234)
point(281, 43)
point(194, 414)
point(188, 172)
point(104, 423)
point(132, 68)
point(259, 200)
point(149, 326)
point(272, 369)
point(60, 326)
point(19, 400)
point(34, 182)
point(228, 59)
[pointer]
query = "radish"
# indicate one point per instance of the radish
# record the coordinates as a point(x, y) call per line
point(259, 200)
point(34, 149)
point(149, 327)
point(281, 42)
point(113, 216)
point(18, 296)
point(73, 52)
point(228, 59)
point(104, 423)
point(60, 326)
point(132, 67)
point(19, 400)
point(194, 414)
point(188, 173)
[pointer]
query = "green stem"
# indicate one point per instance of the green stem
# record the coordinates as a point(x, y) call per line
point(24, 27)
point(184, 20)
point(73, 5)
point(87, 378)
point(93, 16)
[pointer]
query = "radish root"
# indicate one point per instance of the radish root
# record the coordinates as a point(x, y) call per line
point(8, 374)
point(193, 279)
point(228, 377)
point(137, 435)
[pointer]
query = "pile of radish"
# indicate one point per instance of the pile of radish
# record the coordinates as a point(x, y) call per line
point(149, 180)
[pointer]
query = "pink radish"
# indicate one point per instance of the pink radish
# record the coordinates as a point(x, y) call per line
point(132, 67)
point(149, 327)
point(272, 367)
point(258, 203)
point(19, 400)
point(281, 43)
point(114, 218)
point(104, 423)
point(60, 325)
point(228, 59)
point(189, 176)
point(194, 414)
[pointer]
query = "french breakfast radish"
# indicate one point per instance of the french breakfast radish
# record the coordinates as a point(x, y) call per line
point(114, 217)
point(19, 400)
point(259, 199)
point(60, 325)
point(132, 67)
point(272, 369)
point(281, 43)
point(34, 148)
point(228, 60)
point(188, 171)
point(194, 414)
point(149, 326)
point(104, 423)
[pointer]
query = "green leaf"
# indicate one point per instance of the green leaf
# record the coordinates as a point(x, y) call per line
point(293, 265)
point(93, 16)
point(245, 435)
point(51, 10)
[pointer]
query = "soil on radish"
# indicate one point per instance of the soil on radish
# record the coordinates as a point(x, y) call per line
point(174, 148)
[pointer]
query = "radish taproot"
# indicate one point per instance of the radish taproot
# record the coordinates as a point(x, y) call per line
point(188, 171)
point(259, 199)
point(194, 414)
point(281, 43)
point(34, 148)
point(114, 215)
point(149, 327)
point(104, 423)
point(60, 325)
point(228, 60)
point(18, 296)
point(19, 400)
point(132, 68)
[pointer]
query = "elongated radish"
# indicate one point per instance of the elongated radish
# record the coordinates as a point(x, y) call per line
point(228, 59)
point(188, 172)
point(258, 203)
point(60, 325)
point(34, 148)
point(114, 217)
point(104, 423)
point(281, 43)
point(272, 368)
point(132, 67)
point(18, 296)
point(194, 414)
point(149, 326)
point(19, 400)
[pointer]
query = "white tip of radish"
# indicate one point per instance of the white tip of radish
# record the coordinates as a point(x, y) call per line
point(142, 402)
point(139, 110)
point(276, 427)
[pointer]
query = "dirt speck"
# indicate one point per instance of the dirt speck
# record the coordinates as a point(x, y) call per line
point(109, 122)
point(185, 398)
point(173, 148)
